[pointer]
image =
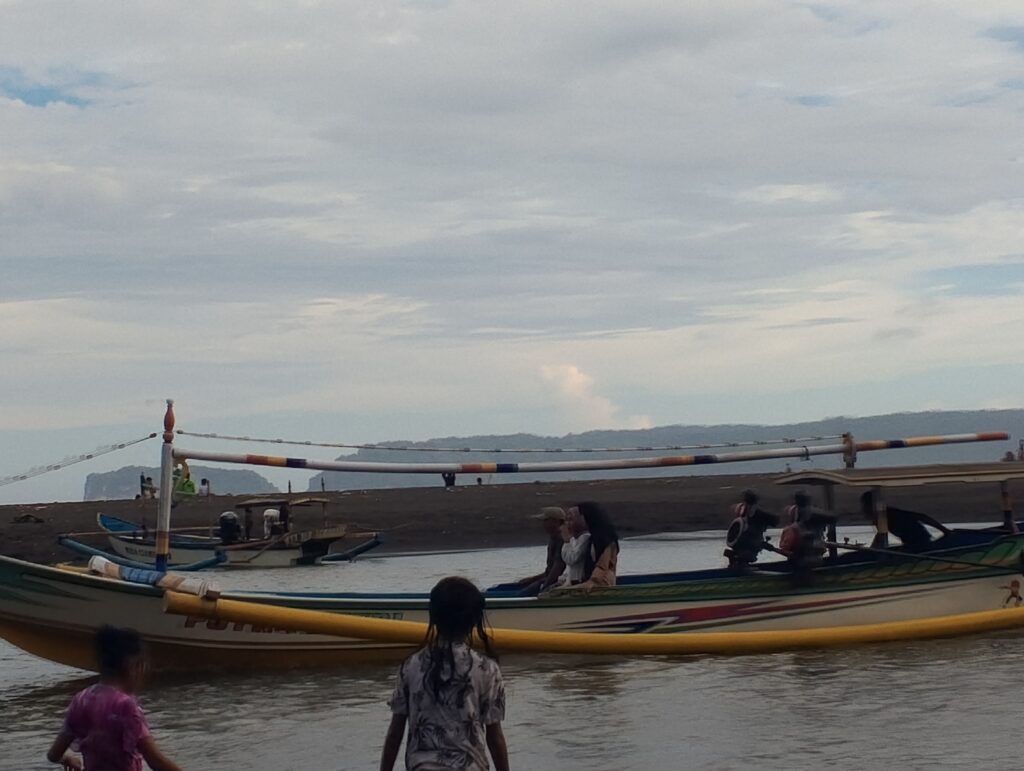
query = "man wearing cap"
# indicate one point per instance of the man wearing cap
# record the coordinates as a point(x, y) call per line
point(552, 518)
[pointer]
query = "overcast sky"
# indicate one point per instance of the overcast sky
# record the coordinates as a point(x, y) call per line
point(370, 221)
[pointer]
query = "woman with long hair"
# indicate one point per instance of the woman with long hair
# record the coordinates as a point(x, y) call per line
point(603, 559)
point(452, 697)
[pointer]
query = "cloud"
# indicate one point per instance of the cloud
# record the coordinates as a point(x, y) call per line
point(585, 409)
point(806, 193)
point(388, 219)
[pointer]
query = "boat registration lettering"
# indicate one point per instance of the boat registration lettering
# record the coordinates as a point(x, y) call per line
point(220, 625)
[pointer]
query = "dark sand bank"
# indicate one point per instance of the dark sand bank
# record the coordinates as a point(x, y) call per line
point(491, 515)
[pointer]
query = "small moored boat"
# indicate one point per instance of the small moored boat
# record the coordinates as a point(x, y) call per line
point(278, 549)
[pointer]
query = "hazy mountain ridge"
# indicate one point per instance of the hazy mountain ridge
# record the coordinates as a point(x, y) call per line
point(124, 482)
point(892, 426)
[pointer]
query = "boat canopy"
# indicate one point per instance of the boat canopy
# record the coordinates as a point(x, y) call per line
point(909, 476)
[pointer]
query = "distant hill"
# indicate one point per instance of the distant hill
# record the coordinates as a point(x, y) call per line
point(892, 426)
point(124, 482)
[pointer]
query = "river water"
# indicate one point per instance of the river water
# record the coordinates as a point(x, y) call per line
point(929, 704)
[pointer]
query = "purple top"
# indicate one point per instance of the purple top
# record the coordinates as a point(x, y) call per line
point(107, 725)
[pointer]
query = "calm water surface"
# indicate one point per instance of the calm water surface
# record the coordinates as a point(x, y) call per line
point(933, 704)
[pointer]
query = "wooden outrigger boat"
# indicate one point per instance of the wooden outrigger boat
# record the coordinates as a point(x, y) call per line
point(306, 547)
point(54, 613)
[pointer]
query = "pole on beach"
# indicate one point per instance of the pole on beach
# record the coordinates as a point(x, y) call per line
point(163, 518)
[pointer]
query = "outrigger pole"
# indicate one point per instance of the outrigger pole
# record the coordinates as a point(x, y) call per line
point(163, 517)
point(848, 449)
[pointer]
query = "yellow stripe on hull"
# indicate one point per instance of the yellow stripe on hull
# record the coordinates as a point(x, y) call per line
point(516, 640)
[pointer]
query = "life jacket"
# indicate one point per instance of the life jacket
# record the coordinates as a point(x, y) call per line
point(737, 528)
point(789, 540)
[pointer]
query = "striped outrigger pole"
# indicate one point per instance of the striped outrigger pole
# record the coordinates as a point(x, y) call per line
point(163, 517)
point(849, 449)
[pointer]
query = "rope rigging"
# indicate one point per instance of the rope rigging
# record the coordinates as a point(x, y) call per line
point(71, 460)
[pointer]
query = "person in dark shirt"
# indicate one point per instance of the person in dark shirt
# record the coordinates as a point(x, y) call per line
point(745, 537)
point(905, 525)
point(553, 520)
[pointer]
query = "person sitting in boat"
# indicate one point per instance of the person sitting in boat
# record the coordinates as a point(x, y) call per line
point(228, 528)
point(803, 540)
point(576, 546)
point(603, 555)
point(745, 537)
point(552, 518)
point(905, 525)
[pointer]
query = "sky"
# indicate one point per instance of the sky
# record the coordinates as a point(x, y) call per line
point(356, 222)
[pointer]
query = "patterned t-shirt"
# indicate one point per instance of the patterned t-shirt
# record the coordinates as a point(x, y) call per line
point(449, 732)
point(107, 725)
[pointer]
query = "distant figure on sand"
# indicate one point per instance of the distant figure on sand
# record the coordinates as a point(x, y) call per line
point(184, 484)
point(105, 720)
point(745, 538)
point(451, 697)
point(204, 487)
point(552, 518)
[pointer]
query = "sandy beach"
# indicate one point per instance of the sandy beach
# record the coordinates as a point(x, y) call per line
point(471, 517)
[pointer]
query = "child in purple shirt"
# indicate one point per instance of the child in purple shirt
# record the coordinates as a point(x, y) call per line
point(104, 721)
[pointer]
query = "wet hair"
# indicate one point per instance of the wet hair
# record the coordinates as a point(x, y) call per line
point(750, 497)
point(602, 531)
point(456, 612)
point(115, 647)
point(801, 498)
point(867, 502)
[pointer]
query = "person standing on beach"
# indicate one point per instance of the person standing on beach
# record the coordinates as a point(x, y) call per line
point(451, 697)
point(105, 719)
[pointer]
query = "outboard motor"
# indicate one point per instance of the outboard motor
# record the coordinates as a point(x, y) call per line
point(228, 528)
point(271, 523)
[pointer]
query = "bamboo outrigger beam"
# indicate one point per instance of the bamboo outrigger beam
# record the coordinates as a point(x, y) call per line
point(524, 641)
point(588, 465)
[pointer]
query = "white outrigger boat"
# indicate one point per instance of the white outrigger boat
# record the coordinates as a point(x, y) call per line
point(55, 612)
